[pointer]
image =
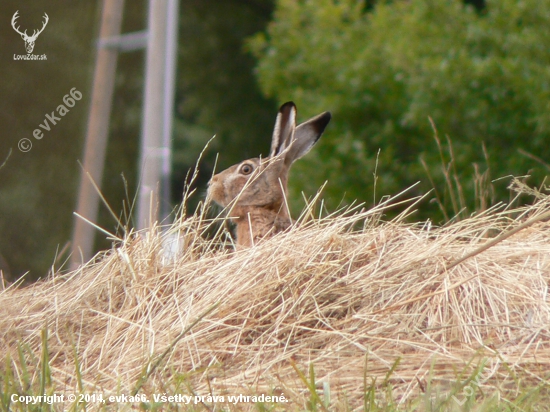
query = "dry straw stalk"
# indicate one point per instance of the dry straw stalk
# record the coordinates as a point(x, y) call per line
point(330, 292)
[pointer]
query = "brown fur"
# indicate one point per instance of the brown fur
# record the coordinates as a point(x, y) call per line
point(254, 191)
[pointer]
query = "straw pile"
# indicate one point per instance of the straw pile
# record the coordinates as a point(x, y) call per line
point(349, 294)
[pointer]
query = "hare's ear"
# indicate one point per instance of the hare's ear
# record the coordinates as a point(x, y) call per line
point(306, 135)
point(284, 128)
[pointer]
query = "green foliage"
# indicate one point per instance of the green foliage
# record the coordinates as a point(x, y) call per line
point(37, 189)
point(216, 92)
point(216, 95)
point(314, 403)
point(482, 77)
point(30, 374)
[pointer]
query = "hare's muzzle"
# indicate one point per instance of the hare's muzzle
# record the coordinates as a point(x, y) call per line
point(215, 190)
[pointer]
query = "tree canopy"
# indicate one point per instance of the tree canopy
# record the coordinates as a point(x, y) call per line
point(482, 75)
point(216, 94)
point(480, 69)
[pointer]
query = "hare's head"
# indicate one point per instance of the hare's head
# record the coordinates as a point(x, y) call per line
point(254, 190)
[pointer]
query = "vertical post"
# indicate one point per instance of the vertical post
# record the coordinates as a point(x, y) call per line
point(170, 67)
point(96, 134)
point(151, 139)
point(157, 111)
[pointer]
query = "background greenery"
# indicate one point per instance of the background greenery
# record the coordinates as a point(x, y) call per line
point(482, 74)
point(479, 69)
point(216, 94)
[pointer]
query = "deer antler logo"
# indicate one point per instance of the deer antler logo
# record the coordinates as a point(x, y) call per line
point(29, 40)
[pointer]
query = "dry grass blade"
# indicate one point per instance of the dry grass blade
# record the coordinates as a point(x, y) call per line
point(6, 159)
point(169, 349)
point(328, 294)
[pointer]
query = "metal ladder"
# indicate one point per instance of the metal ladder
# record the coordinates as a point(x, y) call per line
point(160, 44)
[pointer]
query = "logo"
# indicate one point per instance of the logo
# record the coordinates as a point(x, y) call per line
point(29, 40)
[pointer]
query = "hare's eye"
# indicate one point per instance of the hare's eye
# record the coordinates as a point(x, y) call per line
point(246, 169)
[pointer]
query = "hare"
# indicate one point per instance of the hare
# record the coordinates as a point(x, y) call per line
point(254, 191)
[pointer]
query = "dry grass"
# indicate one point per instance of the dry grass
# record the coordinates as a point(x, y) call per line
point(335, 292)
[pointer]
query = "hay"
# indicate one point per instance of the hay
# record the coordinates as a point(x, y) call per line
point(349, 294)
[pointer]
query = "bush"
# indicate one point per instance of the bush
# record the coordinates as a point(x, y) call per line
point(482, 77)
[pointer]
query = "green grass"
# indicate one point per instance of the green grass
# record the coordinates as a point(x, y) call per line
point(29, 374)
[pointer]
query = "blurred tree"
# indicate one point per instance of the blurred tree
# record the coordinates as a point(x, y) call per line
point(37, 188)
point(478, 4)
point(216, 95)
point(383, 70)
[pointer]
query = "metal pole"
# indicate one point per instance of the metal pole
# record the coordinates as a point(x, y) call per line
point(96, 135)
point(170, 67)
point(151, 139)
